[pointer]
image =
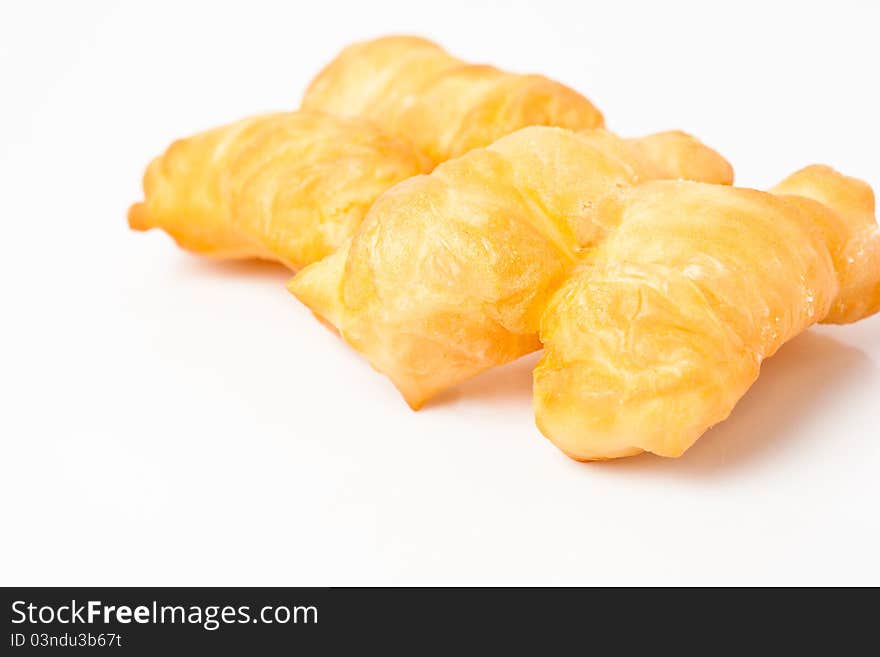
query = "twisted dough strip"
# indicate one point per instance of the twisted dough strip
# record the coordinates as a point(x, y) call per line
point(293, 187)
point(413, 88)
point(448, 274)
point(290, 187)
point(664, 328)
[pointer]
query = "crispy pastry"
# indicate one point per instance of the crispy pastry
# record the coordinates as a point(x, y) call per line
point(294, 186)
point(664, 327)
point(413, 88)
point(290, 187)
point(449, 273)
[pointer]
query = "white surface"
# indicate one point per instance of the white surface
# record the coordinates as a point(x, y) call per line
point(169, 421)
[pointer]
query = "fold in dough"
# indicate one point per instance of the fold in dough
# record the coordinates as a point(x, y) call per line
point(414, 89)
point(656, 337)
point(449, 272)
point(293, 187)
point(290, 187)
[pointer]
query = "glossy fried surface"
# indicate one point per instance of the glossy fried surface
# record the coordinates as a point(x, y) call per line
point(414, 89)
point(851, 233)
point(293, 187)
point(290, 187)
point(377, 79)
point(661, 331)
point(449, 273)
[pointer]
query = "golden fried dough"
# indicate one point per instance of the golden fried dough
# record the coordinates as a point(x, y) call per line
point(414, 89)
point(656, 336)
point(294, 186)
point(449, 273)
point(377, 79)
point(290, 187)
point(851, 233)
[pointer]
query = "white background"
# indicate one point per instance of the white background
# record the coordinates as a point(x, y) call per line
point(169, 421)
